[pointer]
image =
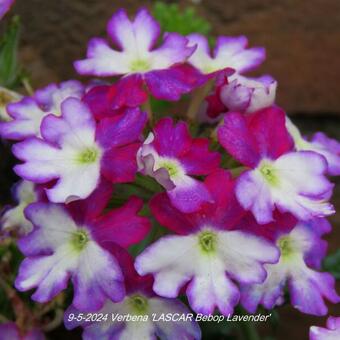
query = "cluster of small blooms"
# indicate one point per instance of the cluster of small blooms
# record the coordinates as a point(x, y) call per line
point(232, 237)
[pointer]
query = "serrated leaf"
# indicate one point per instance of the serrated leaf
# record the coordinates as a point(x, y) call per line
point(332, 264)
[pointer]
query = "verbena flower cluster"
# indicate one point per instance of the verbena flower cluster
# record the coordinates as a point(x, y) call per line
point(239, 197)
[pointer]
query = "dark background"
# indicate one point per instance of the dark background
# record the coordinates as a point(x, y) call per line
point(302, 38)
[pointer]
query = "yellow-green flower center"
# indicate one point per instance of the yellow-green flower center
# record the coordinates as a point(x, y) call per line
point(286, 247)
point(207, 241)
point(139, 304)
point(80, 239)
point(88, 156)
point(270, 174)
point(171, 168)
point(139, 65)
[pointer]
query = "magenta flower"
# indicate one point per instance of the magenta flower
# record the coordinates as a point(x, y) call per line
point(10, 331)
point(5, 6)
point(27, 114)
point(207, 254)
point(68, 243)
point(139, 302)
point(160, 68)
point(320, 143)
point(332, 332)
point(76, 151)
point(229, 53)
point(280, 178)
point(172, 157)
point(302, 251)
point(109, 100)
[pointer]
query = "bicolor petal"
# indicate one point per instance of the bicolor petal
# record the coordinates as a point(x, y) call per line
point(58, 250)
point(26, 115)
point(171, 156)
point(308, 288)
point(209, 260)
point(320, 143)
point(230, 52)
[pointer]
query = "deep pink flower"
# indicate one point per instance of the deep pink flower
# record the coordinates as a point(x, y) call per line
point(280, 178)
point(173, 157)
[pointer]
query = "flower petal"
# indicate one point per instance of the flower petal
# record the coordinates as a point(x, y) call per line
point(122, 225)
point(170, 84)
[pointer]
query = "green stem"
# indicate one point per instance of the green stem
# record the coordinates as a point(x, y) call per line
point(27, 86)
point(147, 107)
point(197, 99)
point(147, 183)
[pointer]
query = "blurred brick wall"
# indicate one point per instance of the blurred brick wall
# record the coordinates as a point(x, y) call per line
point(302, 38)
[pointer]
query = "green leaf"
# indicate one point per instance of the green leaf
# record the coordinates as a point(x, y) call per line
point(332, 264)
point(172, 18)
point(10, 72)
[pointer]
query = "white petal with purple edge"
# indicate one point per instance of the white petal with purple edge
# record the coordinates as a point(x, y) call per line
point(307, 287)
point(295, 183)
point(205, 259)
point(74, 158)
point(57, 250)
point(320, 143)
point(135, 40)
point(230, 52)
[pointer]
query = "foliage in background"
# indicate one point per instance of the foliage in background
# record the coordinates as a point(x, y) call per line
point(184, 21)
point(11, 74)
point(332, 264)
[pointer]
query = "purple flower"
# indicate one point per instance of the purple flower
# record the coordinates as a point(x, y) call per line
point(161, 68)
point(293, 182)
point(207, 254)
point(302, 250)
point(229, 53)
point(320, 143)
point(68, 243)
point(172, 157)
point(332, 332)
point(5, 5)
point(76, 151)
point(144, 306)
point(27, 114)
